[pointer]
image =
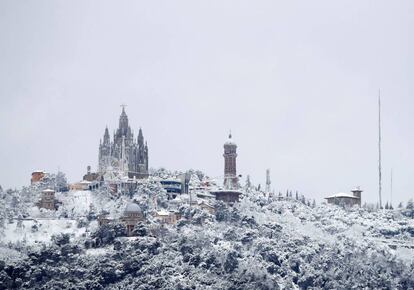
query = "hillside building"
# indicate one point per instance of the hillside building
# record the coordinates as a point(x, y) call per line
point(230, 193)
point(37, 176)
point(48, 200)
point(346, 199)
point(132, 215)
point(173, 187)
point(91, 176)
point(230, 171)
point(166, 217)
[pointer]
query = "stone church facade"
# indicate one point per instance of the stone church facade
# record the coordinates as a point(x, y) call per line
point(123, 152)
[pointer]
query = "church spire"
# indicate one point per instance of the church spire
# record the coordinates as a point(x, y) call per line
point(123, 110)
point(106, 136)
point(123, 121)
point(140, 138)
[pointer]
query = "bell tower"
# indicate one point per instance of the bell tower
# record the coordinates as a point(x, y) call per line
point(230, 171)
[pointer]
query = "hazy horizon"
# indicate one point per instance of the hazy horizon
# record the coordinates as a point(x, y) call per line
point(296, 82)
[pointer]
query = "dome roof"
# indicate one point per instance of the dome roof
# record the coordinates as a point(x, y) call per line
point(132, 208)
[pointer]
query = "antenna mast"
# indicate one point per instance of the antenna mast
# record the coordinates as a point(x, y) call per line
point(379, 150)
point(391, 186)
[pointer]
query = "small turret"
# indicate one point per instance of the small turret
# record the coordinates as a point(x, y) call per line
point(357, 193)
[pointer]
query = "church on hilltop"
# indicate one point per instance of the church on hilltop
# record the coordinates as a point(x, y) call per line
point(124, 153)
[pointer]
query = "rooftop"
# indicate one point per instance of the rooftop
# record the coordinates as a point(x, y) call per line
point(48, 190)
point(163, 213)
point(132, 208)
point(342, 195)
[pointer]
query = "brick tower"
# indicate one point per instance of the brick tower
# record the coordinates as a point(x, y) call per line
point(230, 171)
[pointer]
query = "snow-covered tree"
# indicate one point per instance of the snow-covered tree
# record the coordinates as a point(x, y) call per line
point(409, 209)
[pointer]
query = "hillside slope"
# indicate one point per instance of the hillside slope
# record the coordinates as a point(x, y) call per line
point(259, 243)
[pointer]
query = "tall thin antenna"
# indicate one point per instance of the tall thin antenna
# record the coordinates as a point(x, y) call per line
point(391, 186)
point(379, 150)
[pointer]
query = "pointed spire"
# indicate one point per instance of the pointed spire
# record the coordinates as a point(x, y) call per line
point(106, 139)
point(123, 122)
point(140, 137)
point(123, 110)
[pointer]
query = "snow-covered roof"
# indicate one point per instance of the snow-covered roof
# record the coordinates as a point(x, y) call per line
point(132, 208)
point(205, 203)
point(48, 190)
point(163, 213)
point(38, 171)
point(85, 182)
point(341, 194)
point(204, 194)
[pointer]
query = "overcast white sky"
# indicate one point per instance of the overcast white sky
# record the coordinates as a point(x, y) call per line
point(296, 82)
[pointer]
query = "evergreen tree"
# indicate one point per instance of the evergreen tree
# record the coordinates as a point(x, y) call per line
point(297, 195)
point(303, 200)
point(410, 208)
point(386, 205)
point(314, 203)
point(248, 182)
point(400, 205)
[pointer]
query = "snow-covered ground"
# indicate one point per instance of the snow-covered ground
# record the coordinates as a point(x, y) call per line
point(36, 231)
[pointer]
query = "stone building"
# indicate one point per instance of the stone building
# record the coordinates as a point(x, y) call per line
point(346, 199)
point(124, 152)
point(91, 176)
point(166, 217)
point(227, 195)
point(48, 200)
point(230, 193)
point(37, 176)
point(230, 172)
point(132, 215)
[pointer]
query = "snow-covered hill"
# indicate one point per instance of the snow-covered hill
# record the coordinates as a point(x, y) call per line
point(260, 243)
